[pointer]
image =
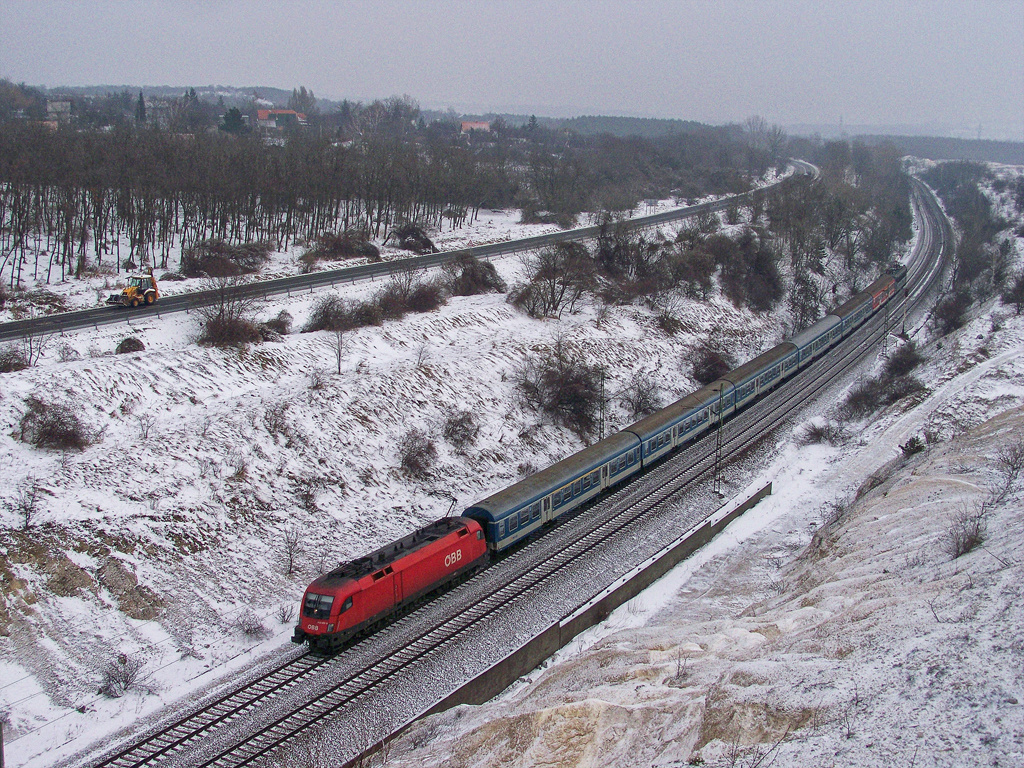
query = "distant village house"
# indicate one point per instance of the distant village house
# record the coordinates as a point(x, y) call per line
point(58, 111)
point(469, 125)
point(279, 119)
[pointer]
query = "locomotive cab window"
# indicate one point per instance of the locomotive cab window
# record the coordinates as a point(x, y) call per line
point(346, 605)
point(317, 606)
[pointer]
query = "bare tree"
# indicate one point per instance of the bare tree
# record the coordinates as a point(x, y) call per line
point(292, 548)
point(26, 502)
point(1009, 463)
point(228, 317)
point(559, 276)
point(338, 344)
point(34, 347)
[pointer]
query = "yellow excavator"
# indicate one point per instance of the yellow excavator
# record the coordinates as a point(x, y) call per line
point(141, 289)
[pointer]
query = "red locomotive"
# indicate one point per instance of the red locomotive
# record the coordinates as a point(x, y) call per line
point(359, 595)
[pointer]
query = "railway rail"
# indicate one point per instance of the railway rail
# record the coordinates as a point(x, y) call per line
point(344, 680)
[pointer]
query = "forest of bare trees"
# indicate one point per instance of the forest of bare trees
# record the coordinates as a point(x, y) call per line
point(815, 242)
point(78, 198)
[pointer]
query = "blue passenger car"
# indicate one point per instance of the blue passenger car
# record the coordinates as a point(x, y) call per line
point(814, 340)
point(760, 374)
point(516, 512)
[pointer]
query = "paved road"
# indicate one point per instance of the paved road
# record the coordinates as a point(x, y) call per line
point(90, 318)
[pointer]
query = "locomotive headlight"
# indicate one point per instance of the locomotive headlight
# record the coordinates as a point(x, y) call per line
point(330, 627)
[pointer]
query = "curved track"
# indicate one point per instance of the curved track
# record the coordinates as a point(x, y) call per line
point(228, 730)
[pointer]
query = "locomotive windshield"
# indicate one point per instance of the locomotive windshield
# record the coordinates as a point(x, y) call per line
point(317, 606)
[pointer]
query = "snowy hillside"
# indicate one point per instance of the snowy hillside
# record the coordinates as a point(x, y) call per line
point(831, 625)
point(220, 482)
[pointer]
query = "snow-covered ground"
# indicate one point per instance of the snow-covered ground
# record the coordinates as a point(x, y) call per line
point(160, 548)
point(828, 626)
point(93, 288)
point(160, 540)
point(810, 633)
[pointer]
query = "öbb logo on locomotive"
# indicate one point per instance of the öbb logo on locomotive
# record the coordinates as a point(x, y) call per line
point(453, 558)
point(355, 598)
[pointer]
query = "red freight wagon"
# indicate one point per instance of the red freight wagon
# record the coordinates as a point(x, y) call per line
point(360, 594)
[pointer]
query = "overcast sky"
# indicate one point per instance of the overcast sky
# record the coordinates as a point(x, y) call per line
point(955, 65)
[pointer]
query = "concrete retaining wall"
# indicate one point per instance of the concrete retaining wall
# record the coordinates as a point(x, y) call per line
point(528, 657)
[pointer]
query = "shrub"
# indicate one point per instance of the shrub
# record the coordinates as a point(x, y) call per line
point(668, 322)
point(469, 277)
point(130, 344)
point(218, 258)
point(528, 299)
point(47, 301)
point(67, 354)
point(863, 399)
point(710, 365)
point(392, 300)
point(562, 386)
point(229, 332)
point(912, 446)
point(965, 532)
point(951, 313)
point(250, 624)
point(54, 425)
point(410, 237)
point(416, 453)
point(227, 319)
point(823, 432)
point(281, 324)
point(872, 394)
point(335, 246)
point(902, 361)
point(895, 389)
point(329, 313)
point(460, 428)
point(121, 675)
point(1014, 294)
point(426, 297)
point(12, 359)
point(366, 313)
point(642, 397)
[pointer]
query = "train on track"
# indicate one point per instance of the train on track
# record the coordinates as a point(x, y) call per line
point(360, 595)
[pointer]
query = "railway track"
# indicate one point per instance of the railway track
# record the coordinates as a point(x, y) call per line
point(207, 736)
